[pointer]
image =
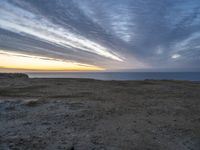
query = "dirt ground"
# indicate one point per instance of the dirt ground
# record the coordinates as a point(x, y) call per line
point(86, 114)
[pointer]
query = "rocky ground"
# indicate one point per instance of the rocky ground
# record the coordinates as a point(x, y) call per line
point(86, 114)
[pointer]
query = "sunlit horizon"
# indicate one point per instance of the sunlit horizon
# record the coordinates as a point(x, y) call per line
point(25, 62)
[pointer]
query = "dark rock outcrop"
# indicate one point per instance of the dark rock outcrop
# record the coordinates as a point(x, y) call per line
point(13, 75)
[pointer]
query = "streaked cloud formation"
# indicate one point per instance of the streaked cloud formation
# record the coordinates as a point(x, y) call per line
point(31, 62)
point(111, 34)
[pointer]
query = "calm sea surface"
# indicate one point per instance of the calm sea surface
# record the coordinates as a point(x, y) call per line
point(193, 76)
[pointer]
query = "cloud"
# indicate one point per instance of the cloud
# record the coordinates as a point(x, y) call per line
point(33, 62)
point(175, 56)
point(31, 25)
point(108, 33)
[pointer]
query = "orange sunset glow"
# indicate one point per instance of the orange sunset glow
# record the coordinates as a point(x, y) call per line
point(14, 60)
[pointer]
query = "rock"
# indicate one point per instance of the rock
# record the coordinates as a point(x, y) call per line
point(31, 102)
point(13, 75)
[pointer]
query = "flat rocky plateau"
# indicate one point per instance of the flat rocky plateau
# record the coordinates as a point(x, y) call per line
point(86, 114)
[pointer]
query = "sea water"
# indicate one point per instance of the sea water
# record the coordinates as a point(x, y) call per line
point(193, 76)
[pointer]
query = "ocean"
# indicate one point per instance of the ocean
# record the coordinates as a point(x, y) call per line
point(192, 76)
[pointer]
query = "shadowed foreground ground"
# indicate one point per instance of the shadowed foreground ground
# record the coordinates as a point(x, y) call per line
point(84, 114)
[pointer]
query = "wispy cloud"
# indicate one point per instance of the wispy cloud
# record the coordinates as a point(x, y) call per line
point(39, 27)
point(106, 33)
point(33, 62)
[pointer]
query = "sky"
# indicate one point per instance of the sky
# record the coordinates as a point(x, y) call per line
point(96, 35)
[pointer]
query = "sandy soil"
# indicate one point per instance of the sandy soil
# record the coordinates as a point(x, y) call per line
point(84, 114)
